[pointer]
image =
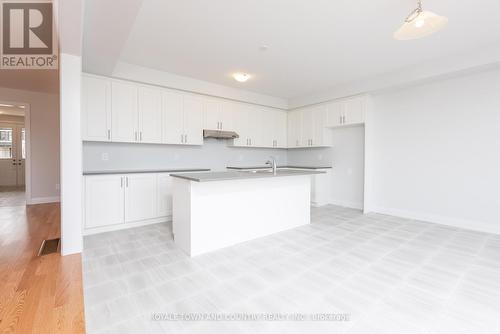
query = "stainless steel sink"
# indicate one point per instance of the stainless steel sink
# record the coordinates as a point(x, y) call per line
point(258, 171)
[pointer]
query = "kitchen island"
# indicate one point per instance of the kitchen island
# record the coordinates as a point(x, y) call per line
point(218, 209)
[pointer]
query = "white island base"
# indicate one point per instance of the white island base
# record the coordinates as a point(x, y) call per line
point(211, 215)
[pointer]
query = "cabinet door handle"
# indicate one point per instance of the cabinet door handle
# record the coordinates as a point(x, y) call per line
point(343, 119)
point(126, 179)
point(135, 135)
point(182, 139)
point(221, 125)
point(109, 134)
point(185, 139)
point(121, 182)
point(140, 134)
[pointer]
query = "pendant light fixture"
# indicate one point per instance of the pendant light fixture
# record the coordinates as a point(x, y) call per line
point(420, 23)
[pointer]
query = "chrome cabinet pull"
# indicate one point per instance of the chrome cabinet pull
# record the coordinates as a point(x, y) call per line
point(121, 181)
point(126, 179)
point(182, 139)
point(109, 134)
point(140, 135)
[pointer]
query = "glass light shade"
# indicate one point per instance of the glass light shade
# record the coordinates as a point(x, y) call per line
point(241, 77)
point(421, 25)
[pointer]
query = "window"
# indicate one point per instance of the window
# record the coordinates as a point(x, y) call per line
point(5, 143)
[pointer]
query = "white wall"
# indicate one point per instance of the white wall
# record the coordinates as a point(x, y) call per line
point(348, 157)
point(434, 152)
point(44, 122)
point(214, 154)
point(71, 154)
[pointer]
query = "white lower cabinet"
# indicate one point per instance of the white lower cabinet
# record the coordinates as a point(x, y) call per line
point(140, 197)
point(118, 201)
point(164, 195)
point(104, 200)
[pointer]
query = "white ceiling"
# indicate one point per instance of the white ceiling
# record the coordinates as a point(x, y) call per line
point(43, 81)
point(313, 44)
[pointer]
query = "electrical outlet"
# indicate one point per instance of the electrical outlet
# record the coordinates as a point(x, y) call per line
point(105, 156)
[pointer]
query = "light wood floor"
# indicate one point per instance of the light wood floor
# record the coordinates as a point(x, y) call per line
point(37, 294)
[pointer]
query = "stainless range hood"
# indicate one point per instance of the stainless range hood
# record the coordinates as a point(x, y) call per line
point(220, 134)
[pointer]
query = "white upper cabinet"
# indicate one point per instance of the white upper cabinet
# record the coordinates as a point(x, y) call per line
point(226, 116)
point(294, 129)
point(218, 115)
point(124, 112)
point(193, 121)
point(347, 112)
point(96, 109)
point(173, 118)
point(280, 124)
point(274, 125)
point(212, 114)
point(354, 111)
point(321, 135)
point(150, 115)
point(307, 127)
point(182, 119)
point(259, 126)
point(242, 127)
point(335, 114)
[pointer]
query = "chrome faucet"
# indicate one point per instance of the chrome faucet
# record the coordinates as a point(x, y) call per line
point(272, 162)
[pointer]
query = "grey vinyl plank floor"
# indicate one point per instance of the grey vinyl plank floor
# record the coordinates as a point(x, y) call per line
point(386, 274)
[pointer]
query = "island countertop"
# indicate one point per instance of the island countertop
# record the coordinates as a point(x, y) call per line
point(280, 166)
point(145, 171)
point(242, 175)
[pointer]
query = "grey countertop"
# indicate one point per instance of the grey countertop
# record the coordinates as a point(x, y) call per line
point(283, 166)
point(132, 171)
point(242, 175)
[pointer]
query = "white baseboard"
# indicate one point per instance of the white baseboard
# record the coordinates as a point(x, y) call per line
point(347, 204)
point(432, 218)
point(123, 226)
point(43, 200)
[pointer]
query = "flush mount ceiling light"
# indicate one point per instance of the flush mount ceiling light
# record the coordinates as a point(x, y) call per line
point(241, 77)
point(420, 23)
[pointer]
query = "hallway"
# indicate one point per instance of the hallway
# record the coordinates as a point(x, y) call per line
point(12, 196)
point(42, 293)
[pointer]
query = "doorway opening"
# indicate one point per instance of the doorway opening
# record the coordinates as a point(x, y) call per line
point(13, 153)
